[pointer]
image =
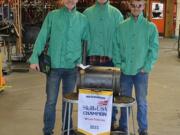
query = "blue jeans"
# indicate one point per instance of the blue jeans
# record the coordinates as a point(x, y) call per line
point(68, 77)
point(140, 83)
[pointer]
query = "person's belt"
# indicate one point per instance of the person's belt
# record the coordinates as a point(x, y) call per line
point(98, 59)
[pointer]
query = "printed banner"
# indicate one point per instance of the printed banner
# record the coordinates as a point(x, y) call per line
point(94, 112)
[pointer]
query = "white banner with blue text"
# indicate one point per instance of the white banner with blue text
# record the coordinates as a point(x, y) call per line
point(94, 112)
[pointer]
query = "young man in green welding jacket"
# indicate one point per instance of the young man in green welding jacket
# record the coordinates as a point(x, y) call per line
point(136, 51)
point(66, 28)
point(103, 19)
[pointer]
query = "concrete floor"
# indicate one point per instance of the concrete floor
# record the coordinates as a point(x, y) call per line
point(21, 104)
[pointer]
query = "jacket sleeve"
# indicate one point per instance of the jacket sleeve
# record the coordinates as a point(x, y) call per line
point(85, 37)
point(153, 50)
point(116, 47)
point(116, 51)
point(119, 17)
point(88, 35)
point(86, 30)
point(41, 40)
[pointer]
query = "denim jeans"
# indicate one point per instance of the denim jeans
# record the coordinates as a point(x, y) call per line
point(140, 83)
point(68, 77)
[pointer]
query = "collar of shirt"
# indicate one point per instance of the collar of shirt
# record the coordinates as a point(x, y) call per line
point(104, 6)
point(68, 12)
point(140, 18)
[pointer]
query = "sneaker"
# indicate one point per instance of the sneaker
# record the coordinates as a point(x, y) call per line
point(118, 131)
point(114, 127)
point(123, 130)
point(143, 133)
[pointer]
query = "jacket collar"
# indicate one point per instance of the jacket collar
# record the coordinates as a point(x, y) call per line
point(67, 11)
point(140, 17)
point(105, 5)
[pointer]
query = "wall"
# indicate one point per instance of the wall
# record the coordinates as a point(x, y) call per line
point(169, 29)
point(178, 18)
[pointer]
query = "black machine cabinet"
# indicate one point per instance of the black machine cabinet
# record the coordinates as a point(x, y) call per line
point(99, 78)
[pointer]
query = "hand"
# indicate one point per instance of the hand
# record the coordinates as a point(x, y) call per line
point(35, 67)
point(142, 70)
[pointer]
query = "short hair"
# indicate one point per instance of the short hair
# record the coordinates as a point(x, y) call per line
point(137, 0)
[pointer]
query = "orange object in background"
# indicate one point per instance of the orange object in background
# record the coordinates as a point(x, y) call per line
point(1, 2)
point(157, 15)
point(160, 24)
point(2, 80)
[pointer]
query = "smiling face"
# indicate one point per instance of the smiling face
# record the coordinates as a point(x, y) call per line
point(136, 7)
point(70, 4)
point(102, 1)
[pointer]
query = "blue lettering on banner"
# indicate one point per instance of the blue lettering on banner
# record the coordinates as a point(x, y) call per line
point(94, 113)
point(99, 97)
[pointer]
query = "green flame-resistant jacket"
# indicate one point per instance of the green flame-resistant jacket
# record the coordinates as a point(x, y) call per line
point(66, 31)
point(136, 45)
point(103, 20)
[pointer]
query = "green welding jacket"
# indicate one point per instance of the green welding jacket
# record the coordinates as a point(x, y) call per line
point(136, 45)
point(65, 31)
point(103, 20)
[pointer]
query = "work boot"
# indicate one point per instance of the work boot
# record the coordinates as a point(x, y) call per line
point(143, 133)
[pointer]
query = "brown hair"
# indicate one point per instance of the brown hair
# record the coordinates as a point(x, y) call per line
point(137, 0)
